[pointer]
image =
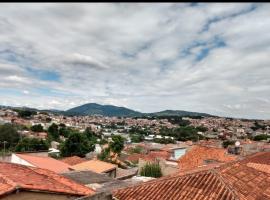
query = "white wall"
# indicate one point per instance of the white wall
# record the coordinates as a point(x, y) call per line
point(16, 159)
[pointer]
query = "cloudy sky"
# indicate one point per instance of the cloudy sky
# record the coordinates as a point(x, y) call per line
point(212, 58)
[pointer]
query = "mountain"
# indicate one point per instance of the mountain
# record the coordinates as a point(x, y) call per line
point(105, 110)
point(180, 113)
point(110, 110)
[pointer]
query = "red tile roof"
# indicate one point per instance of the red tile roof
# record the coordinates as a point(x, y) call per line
point(196, 156)
point(46, 163)
point(94, 165)
point(20, 177)
point(231, 181)
point(134, 157)
point(74, 160)
point(260, 158)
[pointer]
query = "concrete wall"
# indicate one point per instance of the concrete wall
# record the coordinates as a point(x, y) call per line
point(36, 196)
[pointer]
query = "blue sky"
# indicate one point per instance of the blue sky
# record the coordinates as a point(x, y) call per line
point(201, 57)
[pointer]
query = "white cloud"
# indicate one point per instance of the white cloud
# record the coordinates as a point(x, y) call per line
point(142, 56)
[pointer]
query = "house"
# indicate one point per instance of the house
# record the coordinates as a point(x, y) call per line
point(96, 166)
point(199, 156)
point(30, 183)
point(237, 180)
point(41, 162)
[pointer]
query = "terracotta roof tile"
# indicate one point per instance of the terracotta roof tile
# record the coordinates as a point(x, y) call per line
point(231, 181)
point(95, 166)
point(45, 163)
point(196, 156)
point(74, 160)
point(15, 176)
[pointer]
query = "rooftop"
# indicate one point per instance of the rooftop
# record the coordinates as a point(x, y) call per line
point(20, 177)
point(73, 160)
point(95, 166)
point(45, 163)
point(231, 181)
point(197, 156)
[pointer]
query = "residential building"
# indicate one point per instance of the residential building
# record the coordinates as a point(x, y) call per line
point(96, 166)
point(41, 162)
point(237, 180)
point(30, 183)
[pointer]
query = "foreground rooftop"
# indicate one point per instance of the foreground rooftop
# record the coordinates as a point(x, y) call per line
point(15, 177)
point(236, 180)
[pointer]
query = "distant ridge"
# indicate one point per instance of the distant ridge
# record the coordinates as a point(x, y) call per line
point(112, 111)
point(105, 110)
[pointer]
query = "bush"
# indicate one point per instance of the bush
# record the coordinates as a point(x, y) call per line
point(8, 133)
point(136, 149)
point(31, 144)
point(226, 143)
point(261, 137)
point(151, 170)
point(37, 128)
point(104, 155)
point(136, 138)
point(26, 113)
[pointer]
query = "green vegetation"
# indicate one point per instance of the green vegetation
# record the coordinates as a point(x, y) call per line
point(26, 113)
point(136, 149)
point(31, 144)
point(226, 143)
point(8, 133)
point(76, 144)
point(151, 170)
point(164, 140)
point(53, 132)
point(202, 128)
point(261, 137)
point(139, 130)
point(37, 128)
point(258, 126)
point(183, 133)
point(91, 135)
point(117, 144)
point(136, 138)
point(104, 155)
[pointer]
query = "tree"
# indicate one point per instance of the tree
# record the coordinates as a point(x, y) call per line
point(9, 134)
point(117, 144)
point(151, 170)
point(91, 135)
point(37, 128)
point(31, 144)
point(136, 138)
point(104, 155)
point(202, 128)
point(53, 132)
point(26, 113)
point(76, 144)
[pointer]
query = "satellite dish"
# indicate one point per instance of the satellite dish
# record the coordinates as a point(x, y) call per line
point(237, 143)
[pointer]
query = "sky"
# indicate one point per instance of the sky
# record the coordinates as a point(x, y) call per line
point(212, 58)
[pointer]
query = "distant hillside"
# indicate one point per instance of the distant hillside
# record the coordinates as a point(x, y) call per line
point(180, 113)
point(105, 110)
point(110, 110)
